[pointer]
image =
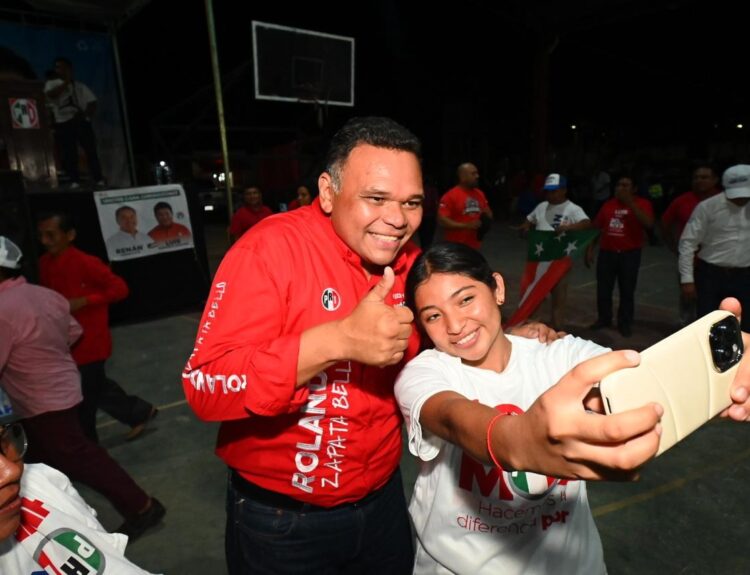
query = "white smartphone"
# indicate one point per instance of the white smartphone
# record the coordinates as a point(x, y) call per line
point(689, 373)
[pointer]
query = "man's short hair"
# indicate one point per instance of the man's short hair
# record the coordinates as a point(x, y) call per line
point(705, 164)
point(627, 175)
point(63, 220)
point(64, 60)
point(162, 206)
point(374, 131)
point(463, 166)
point(122, 209)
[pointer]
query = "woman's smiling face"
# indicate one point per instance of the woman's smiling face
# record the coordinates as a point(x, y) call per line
point(462, 318)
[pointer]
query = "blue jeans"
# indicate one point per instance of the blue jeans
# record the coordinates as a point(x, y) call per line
point(359, 538)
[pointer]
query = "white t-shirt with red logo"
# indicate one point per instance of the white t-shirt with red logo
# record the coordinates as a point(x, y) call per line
point(471, 518)
point(59, 532)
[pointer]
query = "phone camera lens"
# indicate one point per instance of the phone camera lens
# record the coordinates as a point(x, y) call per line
point(725, 341)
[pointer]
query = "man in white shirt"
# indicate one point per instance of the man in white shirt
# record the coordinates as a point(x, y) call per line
point(73, 106)
point(128, 241)
point(719, 231)
point(560, 215)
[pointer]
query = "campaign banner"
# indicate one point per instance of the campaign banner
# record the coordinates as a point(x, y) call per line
point(140, 222)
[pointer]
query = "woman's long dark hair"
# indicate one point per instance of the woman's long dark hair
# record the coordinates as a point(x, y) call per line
point(447, 258)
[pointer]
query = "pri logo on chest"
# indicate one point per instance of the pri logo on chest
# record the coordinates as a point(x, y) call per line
point(330, 299)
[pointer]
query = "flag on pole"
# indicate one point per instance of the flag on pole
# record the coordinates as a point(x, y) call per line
point(549, 258)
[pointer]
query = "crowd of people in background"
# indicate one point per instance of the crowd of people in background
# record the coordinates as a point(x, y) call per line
point(352, 314)
point(632, 204)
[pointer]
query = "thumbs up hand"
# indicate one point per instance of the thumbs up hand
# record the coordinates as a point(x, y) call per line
point(377, 333)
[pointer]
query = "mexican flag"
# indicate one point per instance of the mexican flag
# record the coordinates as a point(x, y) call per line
point(549, 258)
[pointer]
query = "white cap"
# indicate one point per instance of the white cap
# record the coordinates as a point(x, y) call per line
point(555, 182)
point(10, 254)
point(736, 181)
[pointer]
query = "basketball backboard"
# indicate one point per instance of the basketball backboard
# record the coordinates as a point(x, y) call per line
point(296, 65)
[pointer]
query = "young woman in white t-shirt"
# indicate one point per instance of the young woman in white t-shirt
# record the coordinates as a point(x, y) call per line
point(472, 512)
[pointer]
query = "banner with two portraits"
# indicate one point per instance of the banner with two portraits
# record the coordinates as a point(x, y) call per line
point(141, 222)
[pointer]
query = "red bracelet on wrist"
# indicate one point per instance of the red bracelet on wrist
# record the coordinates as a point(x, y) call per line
point(489, 439)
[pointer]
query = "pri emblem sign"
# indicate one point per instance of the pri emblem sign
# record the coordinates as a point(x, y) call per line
point(24, 113)
point(71, 552)
point(330, 299)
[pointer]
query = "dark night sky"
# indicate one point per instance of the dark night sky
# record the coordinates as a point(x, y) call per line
point(642, 73)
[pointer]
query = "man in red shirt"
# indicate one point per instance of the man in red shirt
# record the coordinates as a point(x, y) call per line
point(622, 221)
point(303, 198)
point(250, 213)
point(462, 208)
point(167, 231)
point(705, 184)
point(89, 286)
point(296, 355)
point(302, 337)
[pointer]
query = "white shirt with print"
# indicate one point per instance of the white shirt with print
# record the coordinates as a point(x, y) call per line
point(548, 217)
point(60, 531)
point(472, 519)
point(74, 99)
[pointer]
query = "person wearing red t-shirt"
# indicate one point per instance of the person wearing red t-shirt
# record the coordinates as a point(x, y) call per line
point(462, 208)
point(704, 185)
point(89, 286)
point(304, 198)
point(167, 231)
point(297, 351)
point(622, 222)
point(250, 213)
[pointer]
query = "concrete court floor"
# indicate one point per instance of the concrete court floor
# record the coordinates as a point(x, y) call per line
point(687, 515)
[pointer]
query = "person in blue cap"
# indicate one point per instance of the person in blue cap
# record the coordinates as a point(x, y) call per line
point(560, 215)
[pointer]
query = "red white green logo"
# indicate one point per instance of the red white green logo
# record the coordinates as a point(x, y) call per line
point(330, 299)
point(531, 485)
point(67, 551)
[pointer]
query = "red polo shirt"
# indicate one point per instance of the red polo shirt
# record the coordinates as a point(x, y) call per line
point(679, 211)
point(245, 218)
point(74, 274)
point(336, 439)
